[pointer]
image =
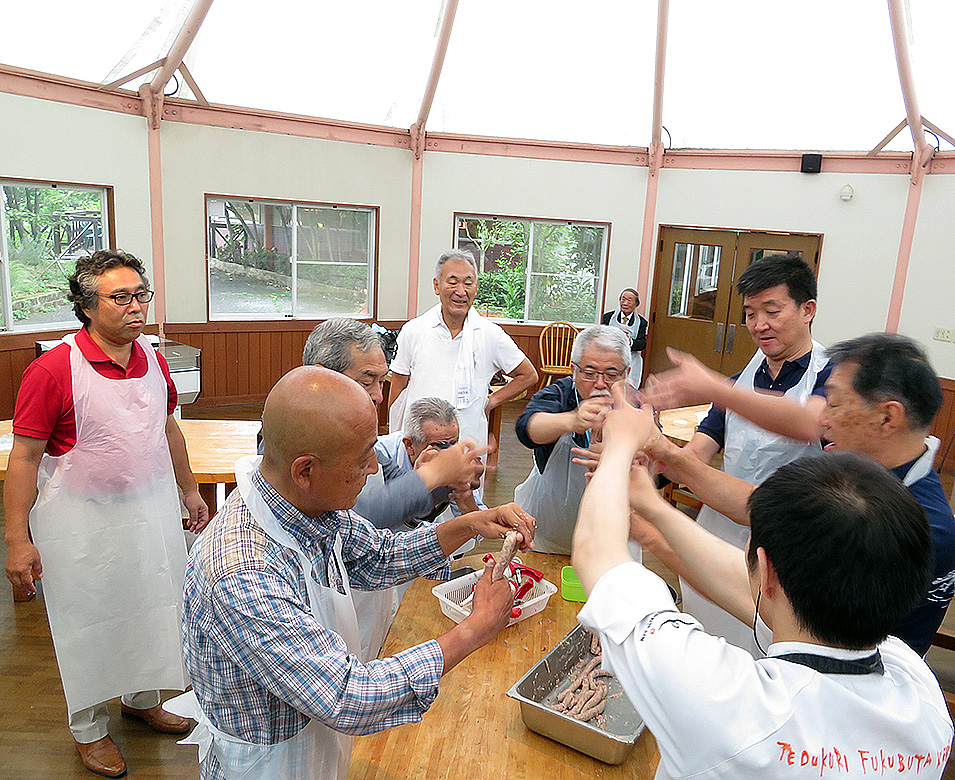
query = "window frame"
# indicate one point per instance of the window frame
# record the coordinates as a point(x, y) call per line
point(108, 225)
point(373, 235)
point(600, 277)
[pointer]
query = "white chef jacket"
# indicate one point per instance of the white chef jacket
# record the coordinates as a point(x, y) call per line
point(718, 713)
point(430, 357)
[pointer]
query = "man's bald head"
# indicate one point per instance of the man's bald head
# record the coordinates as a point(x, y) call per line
point(318, 426)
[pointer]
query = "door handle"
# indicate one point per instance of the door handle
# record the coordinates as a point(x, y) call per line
point(718, 341)
point(730, 338)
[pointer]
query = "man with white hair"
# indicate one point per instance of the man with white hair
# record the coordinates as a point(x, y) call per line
point(563, 415)
point(452, 352)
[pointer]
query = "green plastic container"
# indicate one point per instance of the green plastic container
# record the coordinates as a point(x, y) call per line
point(570, 587)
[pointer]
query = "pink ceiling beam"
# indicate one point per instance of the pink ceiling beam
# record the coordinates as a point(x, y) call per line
point(416, 134)
point(920, 161)
point(152, 109)
point(187, 34)
point(656, 155)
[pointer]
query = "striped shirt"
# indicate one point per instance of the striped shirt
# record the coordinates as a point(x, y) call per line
point(260, 663)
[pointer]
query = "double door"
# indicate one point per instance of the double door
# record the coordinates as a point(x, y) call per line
point(695, 307)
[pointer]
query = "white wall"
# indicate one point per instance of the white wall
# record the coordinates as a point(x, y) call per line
point(201, 160)
point(48, 141)
point(531, 188)
point(860, 242)
point(930, 284)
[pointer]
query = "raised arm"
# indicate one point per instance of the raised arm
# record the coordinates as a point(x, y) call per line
point(603, 522)
point(398, 383)
point(722, 492)
point(690, 382)
point(715, 568)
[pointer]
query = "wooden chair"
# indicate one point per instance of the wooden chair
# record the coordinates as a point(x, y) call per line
point(556, 341)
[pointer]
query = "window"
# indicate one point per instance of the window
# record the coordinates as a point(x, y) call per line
point(535, 269)
point(44, 229)
point(273, 259)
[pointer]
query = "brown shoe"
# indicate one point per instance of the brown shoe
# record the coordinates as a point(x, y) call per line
point(102, 757)
point(159, 719)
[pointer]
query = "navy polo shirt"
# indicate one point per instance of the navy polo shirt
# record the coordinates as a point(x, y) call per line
point(791, 372)
point(918, 629)
point(559, 397)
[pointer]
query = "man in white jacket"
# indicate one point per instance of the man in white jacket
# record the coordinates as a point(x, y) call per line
point(839, 552)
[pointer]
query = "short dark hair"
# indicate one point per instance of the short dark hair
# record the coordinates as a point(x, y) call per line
point(849, 543)
point(772, 270)
point(890, 367)
point(83, 280)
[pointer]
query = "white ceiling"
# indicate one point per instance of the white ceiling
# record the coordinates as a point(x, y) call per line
point(741, 74)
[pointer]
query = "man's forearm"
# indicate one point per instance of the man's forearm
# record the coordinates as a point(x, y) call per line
point(180, 458)
point(715, 568)
point(398, 383)
point(547, 427)
point(524, 378)
point(772, 411)
point(603, 522)
point(19, 496)
point(722, 492)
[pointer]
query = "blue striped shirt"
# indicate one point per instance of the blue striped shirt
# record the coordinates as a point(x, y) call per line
point(260, 663)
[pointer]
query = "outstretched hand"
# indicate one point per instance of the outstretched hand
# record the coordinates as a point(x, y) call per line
point(689, 382)
point(627, 426)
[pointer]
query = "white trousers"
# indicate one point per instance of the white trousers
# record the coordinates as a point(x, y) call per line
point(90, 724)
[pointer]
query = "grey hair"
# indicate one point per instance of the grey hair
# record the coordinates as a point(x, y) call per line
point(427, 410)
point(602, 337)
point(455, 254)
point(330, 344)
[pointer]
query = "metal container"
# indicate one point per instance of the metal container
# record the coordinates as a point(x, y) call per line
point(185, 367)
point(537, 689)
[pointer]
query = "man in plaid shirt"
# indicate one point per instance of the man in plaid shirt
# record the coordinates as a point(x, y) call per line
point(269, 631)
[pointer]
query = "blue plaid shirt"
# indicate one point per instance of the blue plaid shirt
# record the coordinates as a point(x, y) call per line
point(260, 663)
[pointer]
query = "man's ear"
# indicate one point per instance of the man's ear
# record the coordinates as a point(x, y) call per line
point(435, 283)
point(768, 582)
point(809, 309)
point(892, 417)
point(303, 470)
point(409, 448)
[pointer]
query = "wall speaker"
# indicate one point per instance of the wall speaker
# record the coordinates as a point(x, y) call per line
point(811, 163)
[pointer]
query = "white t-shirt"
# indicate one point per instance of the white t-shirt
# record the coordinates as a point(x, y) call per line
point(718, 713)
point(430, 357)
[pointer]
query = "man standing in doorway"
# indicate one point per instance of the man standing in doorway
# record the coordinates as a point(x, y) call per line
point(768, 415)
point(626, 318)
point(91, 492)
point(452, 352)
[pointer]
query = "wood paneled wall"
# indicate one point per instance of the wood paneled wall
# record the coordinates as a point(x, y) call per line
point(242, 360)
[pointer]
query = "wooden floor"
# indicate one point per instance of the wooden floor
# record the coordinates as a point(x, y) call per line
point(35, 743)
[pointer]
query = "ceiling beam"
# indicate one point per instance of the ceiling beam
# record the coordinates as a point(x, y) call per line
point(187, 34)
point(441, 49)
point(903, 59)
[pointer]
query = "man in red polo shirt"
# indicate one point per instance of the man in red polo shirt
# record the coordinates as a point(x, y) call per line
point(92, 506)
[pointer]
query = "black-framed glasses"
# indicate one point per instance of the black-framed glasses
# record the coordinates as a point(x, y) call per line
point(125, 298)
point(610, 376)
point(442, 445)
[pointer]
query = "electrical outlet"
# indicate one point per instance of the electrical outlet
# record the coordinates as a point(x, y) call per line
point(944, 334)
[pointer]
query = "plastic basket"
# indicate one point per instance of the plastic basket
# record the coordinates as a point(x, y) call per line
point(451, 595)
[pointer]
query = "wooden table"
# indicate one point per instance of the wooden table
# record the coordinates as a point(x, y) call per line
point(679, 425)
point(213, 445)
point(474, 731)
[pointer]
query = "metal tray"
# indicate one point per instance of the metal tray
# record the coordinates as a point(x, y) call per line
point(536, 689)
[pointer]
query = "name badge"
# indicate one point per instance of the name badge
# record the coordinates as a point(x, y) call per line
point(462, 396)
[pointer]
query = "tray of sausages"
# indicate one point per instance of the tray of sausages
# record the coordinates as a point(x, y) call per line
point(565, 696)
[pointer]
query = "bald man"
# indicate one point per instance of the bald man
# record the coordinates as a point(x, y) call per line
point(270, 637)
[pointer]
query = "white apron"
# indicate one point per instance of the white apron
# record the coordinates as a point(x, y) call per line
point(553, 498)
point(316, 752)
point(923, 465)
point(109, 530)
point(750, 453)
point(632, 331)
point(375, 609)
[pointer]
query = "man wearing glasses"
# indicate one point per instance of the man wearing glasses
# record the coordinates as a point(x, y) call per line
point(92, 506)
point(561, 416)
